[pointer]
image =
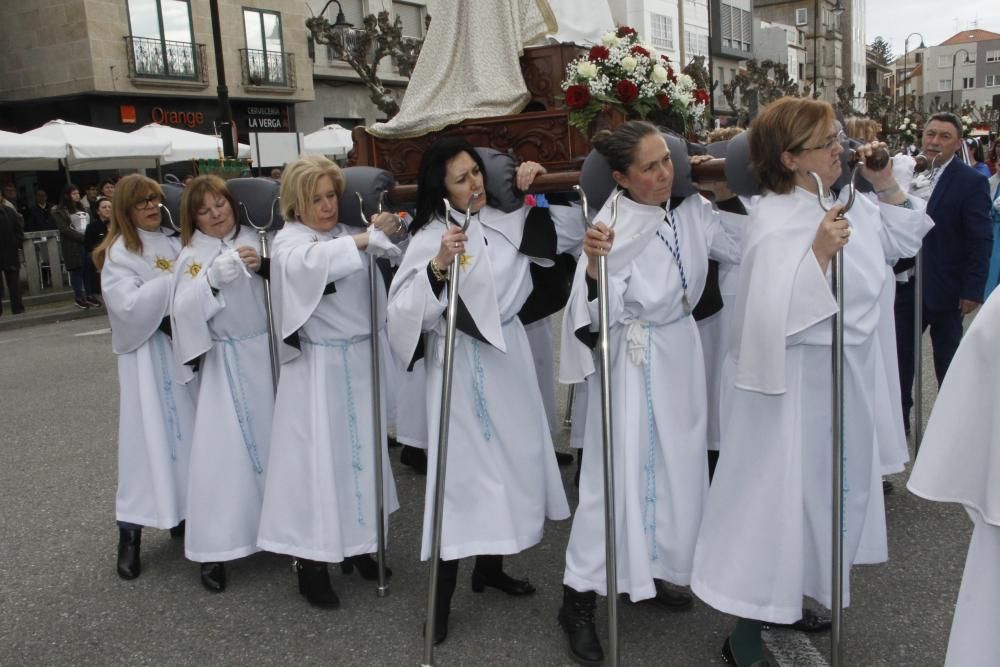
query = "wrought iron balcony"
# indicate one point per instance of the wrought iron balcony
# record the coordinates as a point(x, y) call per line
point(163, 59)
point(270, 69)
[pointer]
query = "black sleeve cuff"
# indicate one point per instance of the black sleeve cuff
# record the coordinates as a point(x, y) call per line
point(264, 270)
point(436, 285)
point(733, 205)
point(591, 288)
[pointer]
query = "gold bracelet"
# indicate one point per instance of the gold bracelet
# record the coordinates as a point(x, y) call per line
point(440, 275)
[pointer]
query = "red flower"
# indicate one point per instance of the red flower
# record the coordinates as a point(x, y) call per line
point(665, 59)
point(598, 53)
point(701, 96)
point(627, 91)
point(670, 75)
point(664, 101)
point(577, 97)
point(638, 51)
point(625, 31)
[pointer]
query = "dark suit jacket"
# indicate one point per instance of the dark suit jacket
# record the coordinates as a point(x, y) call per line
point(957, 250)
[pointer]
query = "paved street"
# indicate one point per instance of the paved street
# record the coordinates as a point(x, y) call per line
point(62, 602)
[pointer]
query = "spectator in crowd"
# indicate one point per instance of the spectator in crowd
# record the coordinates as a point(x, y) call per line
point(92, 237)
point(11, 237)
point(276, 173)
point(10, 197)
point(36, 216)
point(107, 188)
point(89, 199)
point(72, 219)
point(976, 157)
point(993, 156)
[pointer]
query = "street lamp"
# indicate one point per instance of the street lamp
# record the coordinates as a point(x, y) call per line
point(954, 56)
point(906, 45)
point(341, 23)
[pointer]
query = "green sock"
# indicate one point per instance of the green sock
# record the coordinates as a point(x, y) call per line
point(746, 643)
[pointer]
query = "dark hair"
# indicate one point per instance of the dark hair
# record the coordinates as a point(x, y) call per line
point(68, 204)
point(618, 146)
point(431, 189)
point(975, 148)
point(106, 181)
point(946, 117)
point(784, 125)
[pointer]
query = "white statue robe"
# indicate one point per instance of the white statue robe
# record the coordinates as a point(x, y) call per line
point(155, 414)
point(502, 481)
point(658, 398)
point(232, 429)
point(959, 462)
point(319, 502)
point(765, 537)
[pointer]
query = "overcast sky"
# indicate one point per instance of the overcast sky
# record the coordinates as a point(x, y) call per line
point(937, 20)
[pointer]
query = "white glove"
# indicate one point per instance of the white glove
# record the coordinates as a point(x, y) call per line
point(225, 269)
point(379, 244)
point(996, 204)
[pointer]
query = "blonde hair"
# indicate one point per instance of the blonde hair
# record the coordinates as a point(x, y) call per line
point(194, 195)
point(724, 134)
point(784, 125)
point(863, 129)
point(298, 183)
point(129, 191)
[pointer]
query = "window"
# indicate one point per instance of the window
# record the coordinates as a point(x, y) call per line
point(944, 84)
point(802, 16)
point(992, 80)
point(696, 44)
point(737, 27)
point(161, 41)
point(944, 61)
point(993, 56)
point(412, 18)
point(968, 82)
point(265, 58)
point(662, 30)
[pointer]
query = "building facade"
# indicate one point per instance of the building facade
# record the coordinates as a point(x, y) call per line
point(963, 68)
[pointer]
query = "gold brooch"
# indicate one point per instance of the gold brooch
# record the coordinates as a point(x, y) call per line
point(193, 269)
point(163, 264)
point(465, 261)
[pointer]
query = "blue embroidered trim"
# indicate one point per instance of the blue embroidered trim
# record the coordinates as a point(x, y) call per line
point(478, 386)
point(352, 414)
point(170, 420)
point(649, 506)
point(234, 378)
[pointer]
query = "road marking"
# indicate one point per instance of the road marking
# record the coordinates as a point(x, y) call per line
point(95, 332)
point(791, 648)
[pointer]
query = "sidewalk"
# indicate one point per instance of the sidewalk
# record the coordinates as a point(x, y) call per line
point(54, 308)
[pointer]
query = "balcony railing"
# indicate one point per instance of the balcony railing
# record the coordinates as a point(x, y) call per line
point(271, 69)
point(163, 59)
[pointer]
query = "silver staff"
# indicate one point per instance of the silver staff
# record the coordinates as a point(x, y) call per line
point(917, 425)
point(382, 587)
point(442, 452)
point(272, 338)
point(837, 561)
point(604, 352)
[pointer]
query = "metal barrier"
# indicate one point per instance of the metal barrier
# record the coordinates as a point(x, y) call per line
point(41, 253)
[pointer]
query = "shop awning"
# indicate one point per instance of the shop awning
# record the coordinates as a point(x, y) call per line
point(21, 153)
point(333, 140)
point(186, 145)
point(96, 148)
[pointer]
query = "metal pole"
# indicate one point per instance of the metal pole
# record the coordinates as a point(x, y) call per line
point(570, 397)
point(837, 560)
point(451, 318)
point(917, 427)
point(225, 118)
point(272, 339)
point(607, 433)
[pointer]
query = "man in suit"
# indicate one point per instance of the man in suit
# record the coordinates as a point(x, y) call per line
point(956, 252)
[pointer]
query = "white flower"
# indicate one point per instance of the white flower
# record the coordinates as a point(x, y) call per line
point(906, 120)
point(913, 126)
point(967, 120)
point(628, 64)
point(685, 81)
point(902, 127)
point(659, 74)
point(587, 70)
point(610, 39)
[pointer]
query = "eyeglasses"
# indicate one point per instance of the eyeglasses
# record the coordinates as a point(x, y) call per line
point(835, 140)
point(152, 201)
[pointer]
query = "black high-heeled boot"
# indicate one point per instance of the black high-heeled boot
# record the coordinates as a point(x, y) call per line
point(367, 566)
point(314, 583)
point(446, 582)
point(576, 616)
point(129, 566)
point(213, 576)
point(489, 572)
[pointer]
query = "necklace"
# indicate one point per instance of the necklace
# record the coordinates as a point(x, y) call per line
point(675, 250)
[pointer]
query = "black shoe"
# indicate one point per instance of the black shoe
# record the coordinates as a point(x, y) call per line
point(576, 616)
point(392, 443)
point(178, 530)
point(440, 626)
point(564, 458)
point(671, 598)
point(81, 304)
point(730, 658)
point(367, 566)
point(415, 458)
point(810, 622)
point(887, 487)
point(17, 311)
point(129, 565)
point(93, 301)
point(501, 581)
point(314, 583)
point(446, 582)
point(213, 576)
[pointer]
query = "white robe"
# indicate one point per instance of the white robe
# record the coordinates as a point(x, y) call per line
point(959, 462)
point(320, 500)
point(658, 398)
point(232, 428)
point(765, 537)
point(155, 414)
point(502, 481)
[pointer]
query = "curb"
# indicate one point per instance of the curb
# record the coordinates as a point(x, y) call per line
point(64, 313)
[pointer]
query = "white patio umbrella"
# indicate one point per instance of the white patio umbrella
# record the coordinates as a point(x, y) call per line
point(20, 153)
point(96, 148)
point(186, 145)
point(332, 140)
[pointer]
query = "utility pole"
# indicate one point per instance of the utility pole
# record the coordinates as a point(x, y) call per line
point(224, 120)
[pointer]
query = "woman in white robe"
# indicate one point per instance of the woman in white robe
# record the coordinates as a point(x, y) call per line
point(220, 331)
point(136, 260)
point(657, 268)
point(502, 480)
point(959, 462)
point(771, 497)
point(319, 501)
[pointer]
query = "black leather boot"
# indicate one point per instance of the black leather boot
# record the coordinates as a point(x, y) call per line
point(367, 566)
point(314, 583)
point(129, 566)
point(213, 576)
point(178, 530)
point(489, 572)
point(576, 616)
point(446, 582)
